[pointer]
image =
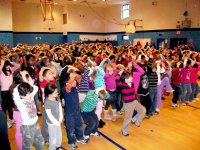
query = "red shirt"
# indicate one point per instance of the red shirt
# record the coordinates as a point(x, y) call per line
point(45, 82)
point(176, 76)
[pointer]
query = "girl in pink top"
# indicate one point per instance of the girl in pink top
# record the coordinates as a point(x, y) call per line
point(6, 80)
point(193, 79)
point(109, 78)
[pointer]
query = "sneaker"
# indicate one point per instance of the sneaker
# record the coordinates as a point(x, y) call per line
point(9, 125)
point(119, 112)
point(155, 113)
point(95, 134)
point(157, 109)
point(73, 146)
point(86, 137)
point(147, 116)
point(184, 104)
point(137, 124)
point(60, 148)
point(101, 123)
point(175, 105)
point(83, 141)
point(124, 133)
point(193, 101)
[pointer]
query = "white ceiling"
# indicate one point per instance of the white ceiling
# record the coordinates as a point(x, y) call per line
point(99, 3)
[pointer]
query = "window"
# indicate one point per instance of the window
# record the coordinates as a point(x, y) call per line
point(125, 11)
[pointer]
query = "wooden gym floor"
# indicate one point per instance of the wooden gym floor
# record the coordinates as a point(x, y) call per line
point(172, 129)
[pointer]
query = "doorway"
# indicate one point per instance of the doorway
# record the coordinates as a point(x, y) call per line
point(175, 42)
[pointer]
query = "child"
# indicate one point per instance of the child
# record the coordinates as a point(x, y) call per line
point(88, 113)
point(23, 96)
point(176, 84)
point(31, 68)
point(143, 92)
point(54, 117)
point(128, 96)
point(73, 121)
point(193, 78)
point(186, 82)
point(111, 86)
point(6, 80)
point(46, 76)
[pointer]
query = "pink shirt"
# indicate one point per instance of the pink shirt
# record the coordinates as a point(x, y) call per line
point(194, 74)
point(110, 81)
point(136, 77)
point(5, 81)
point(185, 75)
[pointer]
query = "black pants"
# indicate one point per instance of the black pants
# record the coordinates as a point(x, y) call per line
point(118, 102)
point(176, 93)
point(7, 103)
point(146, 102)
point(4, 141)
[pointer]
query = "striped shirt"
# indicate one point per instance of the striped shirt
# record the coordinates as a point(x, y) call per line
point(153, 79)
point(128, 93)
point(90, 102)
point(84, 85)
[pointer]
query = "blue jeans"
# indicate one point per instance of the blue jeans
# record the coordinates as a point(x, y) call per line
point(176, 93)
point(91, 120)
point(186, 91)
point(153, 96)
point(194, 87)
point(73, 127)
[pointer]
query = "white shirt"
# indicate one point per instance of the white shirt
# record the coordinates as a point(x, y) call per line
point(27, 108)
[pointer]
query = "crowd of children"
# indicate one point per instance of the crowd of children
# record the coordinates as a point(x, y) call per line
point(88, 79)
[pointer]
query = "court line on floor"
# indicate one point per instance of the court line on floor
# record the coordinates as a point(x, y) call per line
point(193, 107)
point(113, 142)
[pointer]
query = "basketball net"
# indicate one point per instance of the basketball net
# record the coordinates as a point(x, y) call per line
point(130, 28)
point(47, 9)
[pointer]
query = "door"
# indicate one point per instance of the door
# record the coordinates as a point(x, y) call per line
point(175, 42)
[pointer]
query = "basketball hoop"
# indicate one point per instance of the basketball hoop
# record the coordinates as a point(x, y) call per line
point(47, 9)
point(131, 26)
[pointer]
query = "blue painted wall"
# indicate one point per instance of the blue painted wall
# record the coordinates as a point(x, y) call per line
point(193, 34)
point(6, 37)
point(13, 38)
point(29, 38)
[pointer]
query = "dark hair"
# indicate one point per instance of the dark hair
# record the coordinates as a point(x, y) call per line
point(18, 78)
point(64, 77)
point(195, 65)
point(45, 72)
point(14, 58)
point(6, 63)
point(125, 75)
point(24, 88)
point(28, 57)
point(189, 62)
point(112, 57)
point(42, 63)
point(49, 89)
